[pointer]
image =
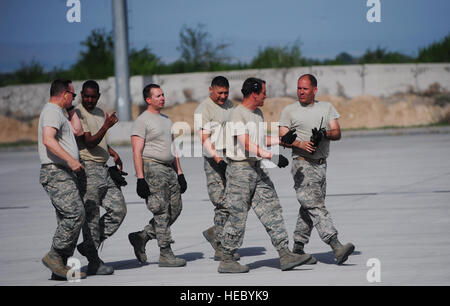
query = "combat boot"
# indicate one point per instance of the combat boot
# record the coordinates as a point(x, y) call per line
point(58, 278)
point(168, 259)
point(210, 236)
point(341, 252)
point(96, 266)
point(56, 264)
point(138, 240)
point(219, 254)
point(298, 249)
point(228, 265)
point(289, 260)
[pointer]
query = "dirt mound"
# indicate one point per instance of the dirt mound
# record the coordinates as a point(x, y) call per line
point(401, 110)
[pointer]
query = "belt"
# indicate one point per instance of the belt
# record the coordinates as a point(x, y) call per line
point(252, 163)
point(103, 164)
point(56, 166)
point(319, 161)
point(158, 162)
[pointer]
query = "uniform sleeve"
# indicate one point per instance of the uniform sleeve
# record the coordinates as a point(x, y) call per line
point(202, 118)
point(83, 121)
point(284, 118)
point(333, 113)
point(51, 118)
point(139, 128)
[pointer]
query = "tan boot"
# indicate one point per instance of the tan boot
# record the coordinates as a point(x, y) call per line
point(298, 249)
point(228, 265)
point(341, 252)
point(138, 240)
point(168, 259)
point(56, 264)
point(210, 235)
point(289, 260)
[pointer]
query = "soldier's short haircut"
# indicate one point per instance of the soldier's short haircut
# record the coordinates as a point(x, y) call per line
point(91, 84)
point(147, 92)
point(312, 79)
point(252, 85)
point(59, 86)
point(220, 81)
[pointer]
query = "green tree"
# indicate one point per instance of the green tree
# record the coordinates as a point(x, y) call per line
point(436, 52)
point(32, 72)
point(382, 56)
point(97, 60)
point(144, 62)
point(278, 57)
point(198, 53)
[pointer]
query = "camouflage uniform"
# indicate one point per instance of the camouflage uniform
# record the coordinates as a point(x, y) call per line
point(310, 176)
point(216, 191)
point(98, 189)
point(60, 183)
point(248, 185)
point(164, 200)
point(310, 187)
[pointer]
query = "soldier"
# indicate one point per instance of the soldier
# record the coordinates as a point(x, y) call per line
point(249, 185)
point(97, 185)
point(309, 118)
point(210, 118)
point(160, 179)
point(58, 153)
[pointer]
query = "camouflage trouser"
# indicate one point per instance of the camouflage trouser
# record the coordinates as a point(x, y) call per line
point(164, 201)
point(60, 183)
point(250, 186)
point(310, 186)
point(216, 191)
point(98, 189)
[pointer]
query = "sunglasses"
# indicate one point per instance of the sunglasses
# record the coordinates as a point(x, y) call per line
point(72, 93)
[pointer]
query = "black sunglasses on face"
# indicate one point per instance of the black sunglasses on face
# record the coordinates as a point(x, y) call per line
point(73, 94)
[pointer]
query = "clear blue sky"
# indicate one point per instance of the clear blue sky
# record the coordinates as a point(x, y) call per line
point(31, 29)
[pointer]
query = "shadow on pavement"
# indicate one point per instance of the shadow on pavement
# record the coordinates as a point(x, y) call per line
point(252, 251)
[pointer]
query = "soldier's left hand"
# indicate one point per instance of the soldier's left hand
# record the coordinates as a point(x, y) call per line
point(182, 182)
point(289, 137)
point(323, 132)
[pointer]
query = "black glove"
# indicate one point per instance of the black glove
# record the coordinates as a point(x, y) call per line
point(117, 176)
point(142, 188)
point(289, 137)
point(323, 132)
point(280, 160)
point(182, 182)
point(316, 136)
point(222, 168)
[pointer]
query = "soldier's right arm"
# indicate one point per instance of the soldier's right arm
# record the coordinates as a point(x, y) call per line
point(92, 141)
point(50, 142)
point(205, 137)
point(307, 146)
point(137, 144)
point(253, 148)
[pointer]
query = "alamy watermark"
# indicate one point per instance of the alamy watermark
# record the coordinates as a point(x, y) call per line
point(73, 275)
point(374, 273)
point(74, 13)
point(374, 13)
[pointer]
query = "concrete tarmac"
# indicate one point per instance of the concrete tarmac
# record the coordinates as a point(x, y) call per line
point(388, 195)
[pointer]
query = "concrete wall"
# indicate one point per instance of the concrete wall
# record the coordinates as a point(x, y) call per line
point(26, 101)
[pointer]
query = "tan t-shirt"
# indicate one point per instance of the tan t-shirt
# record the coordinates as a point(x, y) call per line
point(53, 116)
point(244, 121)
point(92, 122)
point(306, 118)
point(212, 117)
point(156, 129)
